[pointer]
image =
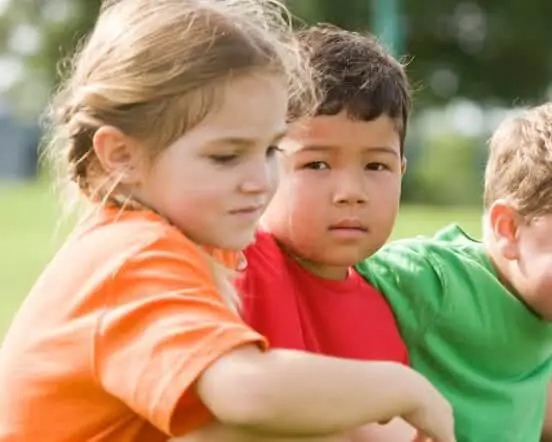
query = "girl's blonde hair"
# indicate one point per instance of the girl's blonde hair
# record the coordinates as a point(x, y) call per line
point(155, 68)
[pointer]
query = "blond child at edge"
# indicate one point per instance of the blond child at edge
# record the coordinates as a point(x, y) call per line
point(477, 316)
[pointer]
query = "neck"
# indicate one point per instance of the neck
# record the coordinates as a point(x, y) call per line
point(337, 273)
point(325, 271)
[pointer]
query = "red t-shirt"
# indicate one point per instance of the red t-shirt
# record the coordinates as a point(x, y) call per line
point(296, 309)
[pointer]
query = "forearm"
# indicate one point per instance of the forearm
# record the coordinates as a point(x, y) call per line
point(223, 433)
point(301, 394)
point(395, 431)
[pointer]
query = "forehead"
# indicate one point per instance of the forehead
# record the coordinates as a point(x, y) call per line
point(341, 131)
point(252, 106)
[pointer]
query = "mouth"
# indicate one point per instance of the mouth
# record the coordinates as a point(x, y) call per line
point(248, 210)
point(349, 224)
point(349, 228)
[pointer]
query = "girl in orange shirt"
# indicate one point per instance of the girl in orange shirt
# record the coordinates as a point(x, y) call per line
point(167, 125)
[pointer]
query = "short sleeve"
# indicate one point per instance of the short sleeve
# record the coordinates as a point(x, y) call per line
point(410, 280)
point(164, 323)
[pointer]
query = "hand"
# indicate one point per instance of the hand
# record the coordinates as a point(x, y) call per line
point(433, 415)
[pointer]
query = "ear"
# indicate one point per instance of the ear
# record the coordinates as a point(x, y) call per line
point(504, 222)
point(118, 154)
point(404, 162)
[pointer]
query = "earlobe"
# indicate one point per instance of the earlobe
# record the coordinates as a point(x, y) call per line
point(504, 224)
point(116, 154)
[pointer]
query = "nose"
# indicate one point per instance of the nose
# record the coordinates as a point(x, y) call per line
point(261, 177)
point(350, 189)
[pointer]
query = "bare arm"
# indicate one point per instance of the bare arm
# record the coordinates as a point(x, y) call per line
point(396, 431)
point(222, 433)
point(294, 393)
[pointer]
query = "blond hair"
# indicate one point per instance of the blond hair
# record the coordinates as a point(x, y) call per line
point(519, 168)
point(155, 68)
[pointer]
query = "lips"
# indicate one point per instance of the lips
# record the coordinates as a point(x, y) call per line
point(354, 224)
point(247, 210)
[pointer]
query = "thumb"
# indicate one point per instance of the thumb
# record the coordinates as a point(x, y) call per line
point(421, 437)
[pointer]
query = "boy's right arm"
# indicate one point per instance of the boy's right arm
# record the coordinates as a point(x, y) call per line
point(289, 392)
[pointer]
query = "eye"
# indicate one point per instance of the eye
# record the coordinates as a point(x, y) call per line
point(272, 151)
point(378, 167)
point(317, 165)
point(223, 159)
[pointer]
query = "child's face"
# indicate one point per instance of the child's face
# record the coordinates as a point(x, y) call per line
point(338, 197)
point(216, 180)
point(533, 257)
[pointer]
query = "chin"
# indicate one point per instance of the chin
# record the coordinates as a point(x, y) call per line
point(346, 258)
point(543, 310)
point(237, 244)
point(339, 261)
point(544, 314)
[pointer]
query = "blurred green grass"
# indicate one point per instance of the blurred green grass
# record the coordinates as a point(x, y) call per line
point(31, 230)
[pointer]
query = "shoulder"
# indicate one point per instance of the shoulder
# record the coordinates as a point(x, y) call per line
point(124, 234)
point(264, 257)
point(264, 247)
point(266, 281)
point(449, 250)
point(417, 273)
point(123, 252)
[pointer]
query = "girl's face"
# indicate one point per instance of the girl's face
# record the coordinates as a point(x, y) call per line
point(215, 181)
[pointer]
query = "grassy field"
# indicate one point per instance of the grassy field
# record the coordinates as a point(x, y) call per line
point(30, 232)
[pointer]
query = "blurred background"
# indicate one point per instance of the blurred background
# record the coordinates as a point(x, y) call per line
point(471, 64)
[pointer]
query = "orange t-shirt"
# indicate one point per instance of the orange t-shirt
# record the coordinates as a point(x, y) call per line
point(108, 344)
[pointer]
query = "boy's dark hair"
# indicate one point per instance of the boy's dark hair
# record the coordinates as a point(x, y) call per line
point(354, 73)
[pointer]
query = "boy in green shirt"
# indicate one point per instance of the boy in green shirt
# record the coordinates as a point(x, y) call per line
point(476, 316)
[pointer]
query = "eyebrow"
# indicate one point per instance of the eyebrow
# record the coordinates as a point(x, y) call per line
point(245, 142)
point(322, 148)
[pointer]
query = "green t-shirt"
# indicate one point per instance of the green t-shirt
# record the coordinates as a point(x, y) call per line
point(475, 341)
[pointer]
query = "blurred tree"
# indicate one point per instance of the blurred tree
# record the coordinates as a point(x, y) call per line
point(35, 37)
point(492, 51)
point(486, 50)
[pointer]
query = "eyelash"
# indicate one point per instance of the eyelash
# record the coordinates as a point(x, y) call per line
point(312, 165)
point(223, 159)
point(226, 159)
point(370, 166)
point(379, 167)
point(272, 151)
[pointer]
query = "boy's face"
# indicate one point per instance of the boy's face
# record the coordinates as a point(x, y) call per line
point(339, 191)
point(533, 259)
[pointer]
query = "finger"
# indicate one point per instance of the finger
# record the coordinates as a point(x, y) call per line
point(421, 437)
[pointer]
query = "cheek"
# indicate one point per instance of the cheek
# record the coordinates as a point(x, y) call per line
point(386, 195)
point(187, 190)
point(306, 198)
point(295, 205)
point(274, 175)
point(535, 261)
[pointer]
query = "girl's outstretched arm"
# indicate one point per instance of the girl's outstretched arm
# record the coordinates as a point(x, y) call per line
point(224, 433)
point(295, 393)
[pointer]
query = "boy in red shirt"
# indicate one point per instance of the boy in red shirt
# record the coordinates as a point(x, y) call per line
point(337, 201)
